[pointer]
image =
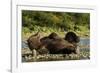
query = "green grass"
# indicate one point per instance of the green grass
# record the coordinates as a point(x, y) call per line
point(26, 32)
point(44, 30)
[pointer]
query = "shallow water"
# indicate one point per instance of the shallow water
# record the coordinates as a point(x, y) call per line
point(84, 41)
point(24, 44)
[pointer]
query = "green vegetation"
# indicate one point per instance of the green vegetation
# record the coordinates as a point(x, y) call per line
point(59, 22)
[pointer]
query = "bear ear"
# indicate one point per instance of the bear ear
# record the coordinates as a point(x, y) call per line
point(38, 34)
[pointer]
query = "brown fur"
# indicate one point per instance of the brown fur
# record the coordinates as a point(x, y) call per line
point(57, 45)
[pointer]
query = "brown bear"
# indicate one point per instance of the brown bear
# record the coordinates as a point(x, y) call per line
point(58, 45)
